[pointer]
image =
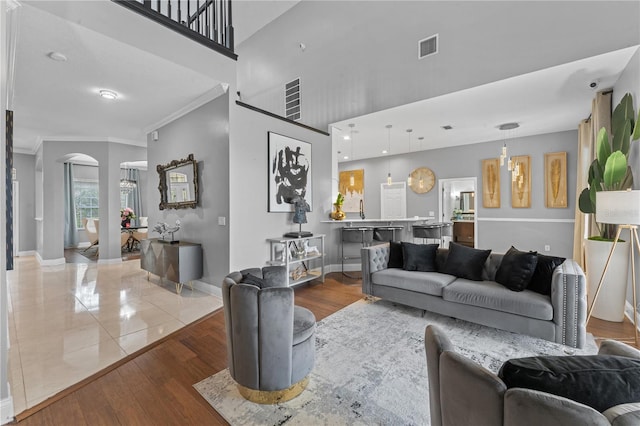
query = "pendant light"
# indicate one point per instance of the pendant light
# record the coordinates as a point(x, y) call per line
point(409, 179)
point(389, 180)
point(352, 178)
point(503, 154)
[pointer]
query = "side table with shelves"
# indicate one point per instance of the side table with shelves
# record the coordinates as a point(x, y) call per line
point(302, 265)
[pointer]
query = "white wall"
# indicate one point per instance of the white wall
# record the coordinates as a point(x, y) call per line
point(250, 223)
point(527, 229)
point(25, 171)
point(204, 133)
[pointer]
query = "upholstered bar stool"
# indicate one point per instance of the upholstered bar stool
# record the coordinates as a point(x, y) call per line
point(270, 341)
point(362, 235)
point(387, 233)
point(433, 231)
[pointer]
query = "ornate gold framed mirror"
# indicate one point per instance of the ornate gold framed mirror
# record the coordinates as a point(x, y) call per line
point(178, 184)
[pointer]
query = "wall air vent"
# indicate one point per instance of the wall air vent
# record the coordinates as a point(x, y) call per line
point(292, 100)
point(428, 46)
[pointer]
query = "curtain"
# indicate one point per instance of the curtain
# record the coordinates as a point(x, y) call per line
point(134, 200)
point(70, 225)
point(587, 132)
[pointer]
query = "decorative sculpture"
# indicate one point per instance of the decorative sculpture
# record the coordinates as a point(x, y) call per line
point(163, 229)
point(301, 207)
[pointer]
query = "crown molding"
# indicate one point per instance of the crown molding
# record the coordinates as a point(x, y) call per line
point(208, 96)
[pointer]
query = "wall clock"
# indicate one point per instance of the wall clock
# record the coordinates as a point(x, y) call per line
point(422, 180)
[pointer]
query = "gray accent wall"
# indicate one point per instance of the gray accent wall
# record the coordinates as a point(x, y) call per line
point(499, 228)
point(250, 223)
point(25, 165)
point(203, 132)
point(362, 56)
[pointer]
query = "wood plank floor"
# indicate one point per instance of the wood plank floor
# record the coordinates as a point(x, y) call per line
point(155, 386)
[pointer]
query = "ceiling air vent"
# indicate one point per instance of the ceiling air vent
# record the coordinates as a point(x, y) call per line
point(292, 100)
point(428, 46)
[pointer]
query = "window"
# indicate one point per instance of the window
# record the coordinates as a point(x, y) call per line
point(86, 199)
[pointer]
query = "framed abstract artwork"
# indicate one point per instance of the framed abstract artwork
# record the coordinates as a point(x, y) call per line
point(351, 185)
point(521, 182)
point(491, 183)
point(555, 180)
point(289, 172)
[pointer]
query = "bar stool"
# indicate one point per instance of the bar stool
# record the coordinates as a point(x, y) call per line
point(433, 231)
point(362, 235)
point(387, 233)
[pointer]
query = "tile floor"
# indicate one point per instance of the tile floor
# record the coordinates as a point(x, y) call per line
point(70, 321)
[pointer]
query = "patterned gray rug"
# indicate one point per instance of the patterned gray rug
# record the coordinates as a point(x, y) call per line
point(371, 368)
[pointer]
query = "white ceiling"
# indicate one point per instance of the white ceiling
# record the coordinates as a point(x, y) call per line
point(546, 101)
point(57, 100)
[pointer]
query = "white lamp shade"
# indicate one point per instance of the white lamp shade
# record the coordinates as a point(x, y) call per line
point(618, 207)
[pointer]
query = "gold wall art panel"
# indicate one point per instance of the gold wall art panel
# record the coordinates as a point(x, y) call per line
point(491, 183)
point(555, 180)
point(351, 185)
point(521, 181)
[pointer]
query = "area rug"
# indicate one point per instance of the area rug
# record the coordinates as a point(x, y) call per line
point(371, 368)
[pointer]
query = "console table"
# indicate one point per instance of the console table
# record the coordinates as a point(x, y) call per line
point(302, 266)
point(180, 262)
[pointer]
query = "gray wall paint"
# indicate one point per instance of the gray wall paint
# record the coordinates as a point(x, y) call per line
point(465, 161)
point(204, 133)
point(25, 165)
point(361, 56)
point(250, 223)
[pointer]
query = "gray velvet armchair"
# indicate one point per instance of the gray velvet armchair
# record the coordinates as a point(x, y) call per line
point(270, 341)
point(462, 392)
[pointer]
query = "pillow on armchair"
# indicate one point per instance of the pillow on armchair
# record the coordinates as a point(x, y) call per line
point(598, 381)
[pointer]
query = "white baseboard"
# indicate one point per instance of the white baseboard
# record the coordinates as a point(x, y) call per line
point(110, 261)
point(50, 262)
point(207, 288)
point(6, 409)
point(26, 253)
point(628, 312)
point(348, 267)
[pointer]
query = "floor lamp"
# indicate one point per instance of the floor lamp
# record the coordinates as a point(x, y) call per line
point(620, 208)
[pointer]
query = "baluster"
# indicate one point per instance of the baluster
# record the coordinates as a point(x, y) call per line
point(179, 13)
point(169, 9)
point(206, 18)
point(158, 7)
point(198, 15)
point(147, 4)
point(189, 14)
point(214, 20)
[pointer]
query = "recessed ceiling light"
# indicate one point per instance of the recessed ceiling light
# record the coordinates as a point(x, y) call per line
point(346, 157)
point(57, 56)
point(346, 137)
point(108, 94)
point(384, 151)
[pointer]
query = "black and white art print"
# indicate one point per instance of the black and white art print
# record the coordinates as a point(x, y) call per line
point(289, 172)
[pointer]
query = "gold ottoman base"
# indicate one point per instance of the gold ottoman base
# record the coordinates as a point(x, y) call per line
point(273, 397)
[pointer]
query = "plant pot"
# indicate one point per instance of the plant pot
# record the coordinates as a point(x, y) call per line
point(613, 294)
point(338, 214)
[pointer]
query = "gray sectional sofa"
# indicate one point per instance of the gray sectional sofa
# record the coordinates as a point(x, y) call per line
point(560, 317)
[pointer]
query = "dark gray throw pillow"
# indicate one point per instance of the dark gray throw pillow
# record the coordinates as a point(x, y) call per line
point(395, 255)
point(516, 269)
point(465, 262)
point(599, 381)
point(253, 280)
point(541, 280)
point(419, 257)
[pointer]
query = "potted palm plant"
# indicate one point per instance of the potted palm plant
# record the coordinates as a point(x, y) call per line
point(610, 171)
